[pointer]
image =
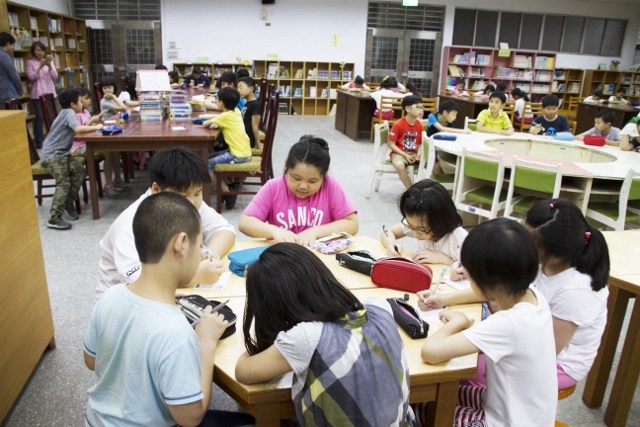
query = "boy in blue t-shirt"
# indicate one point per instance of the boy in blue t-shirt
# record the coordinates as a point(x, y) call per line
point(443, 121)
point(550, 119)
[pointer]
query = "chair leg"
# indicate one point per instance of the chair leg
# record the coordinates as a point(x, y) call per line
point(85, 193)
point(99, 179)
point(39, 196)
point(378, 179)
point(78, 206)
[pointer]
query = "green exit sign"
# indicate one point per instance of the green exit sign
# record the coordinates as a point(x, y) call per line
point(409, 2)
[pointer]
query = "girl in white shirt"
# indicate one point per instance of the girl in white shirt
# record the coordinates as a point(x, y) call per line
point(430, 216)
point(501, 260)
point(520, 97)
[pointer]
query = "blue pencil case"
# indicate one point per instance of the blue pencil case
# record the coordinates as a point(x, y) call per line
point(198, 121)
point(240, 260)
point(445, 137)
point(111, 130)
point(564, 136)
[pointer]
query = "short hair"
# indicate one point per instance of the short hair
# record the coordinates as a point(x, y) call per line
point(562, 234)
point(161, 67)
point(500, 95)
point(69, 96)
point(248, 81)
point(388, 82)
point(84, 91)
point(311, 151)
point(550, 101)
point(6, 38)
point(158, 219)
point(228, 77)
point(242, 72)
point(108, 81)
point(597, 93)
point(36, 44)
point(196, 70)
point(489, 88)
point(411, 100)
point(606, 115)
point(512, 263)
point(358, 80)
point(449, 105)
point(286, 286)
point(460, 82)
point(174, 76)
point(429, 199)
point(621, 90)
point(131, 89)
point(177, 168)
point(501, 86)
point(411, 87)
point(229, 96)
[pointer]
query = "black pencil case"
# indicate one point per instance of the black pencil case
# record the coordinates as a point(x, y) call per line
point(193, 306)
point(360, 261)
point(408, 318)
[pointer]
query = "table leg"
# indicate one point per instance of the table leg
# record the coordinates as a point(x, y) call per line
point(441, 412)
point(627, 374)
point(206, 188)
point(93, 188)
point(599, 374)
point(268, 415)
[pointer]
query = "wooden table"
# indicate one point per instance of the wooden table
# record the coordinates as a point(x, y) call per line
point(271, 401)
point(468, 106)
point(587, 112)
point(145, 136)
point(624, 284)
point(354, 112)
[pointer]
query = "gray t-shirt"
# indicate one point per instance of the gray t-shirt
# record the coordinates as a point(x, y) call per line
point(60, 138)
point(106, 105)
point(613, 135)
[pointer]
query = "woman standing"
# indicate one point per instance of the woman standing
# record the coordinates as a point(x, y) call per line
point(42, 73)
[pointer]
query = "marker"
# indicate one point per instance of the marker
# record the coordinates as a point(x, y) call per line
point(386, 233)
point(216, 308)
point(442, 273)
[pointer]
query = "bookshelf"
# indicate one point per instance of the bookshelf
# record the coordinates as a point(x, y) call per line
point(65, 38)
point(630, 82)
point(306, 88)
point(603, 80)
point(532, 71)
point(211, 70)
point(567, 82)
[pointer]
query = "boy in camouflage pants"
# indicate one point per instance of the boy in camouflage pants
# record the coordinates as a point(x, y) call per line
point(65, 169)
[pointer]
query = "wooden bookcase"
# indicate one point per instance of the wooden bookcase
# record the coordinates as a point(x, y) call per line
point(211, 70)
point(567, 82)
point(306, 88)
point(64, 36)
point(532, 71)
point(609, 81)
point(630, 81)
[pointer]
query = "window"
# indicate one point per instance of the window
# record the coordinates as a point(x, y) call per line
point(552, 33)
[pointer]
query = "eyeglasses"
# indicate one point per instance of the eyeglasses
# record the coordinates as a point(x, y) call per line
point(416, 230)
point(419, 107)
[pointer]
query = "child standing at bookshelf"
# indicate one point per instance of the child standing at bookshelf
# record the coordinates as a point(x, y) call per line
point(42, 72)
point(603, 126)
point(618, 98)
point(520, 97)
point(493, 119)
point(550, 122)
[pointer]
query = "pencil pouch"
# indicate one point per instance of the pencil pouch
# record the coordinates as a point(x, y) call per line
point(402, 274)
point(598, 141)
point(334, 243)
point(360, 261)
point(111, 130)
point(198, 121)
point(408, 318)
point(445, 136)
point(564, 136)
point(240, 260)
point(193, 305)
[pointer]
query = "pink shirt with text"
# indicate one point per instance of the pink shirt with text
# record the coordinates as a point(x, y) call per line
point(277, 205)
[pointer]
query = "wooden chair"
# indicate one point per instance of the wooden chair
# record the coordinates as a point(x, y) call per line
point(470, 124)
point(428, 161)
point(388, 103)
point(262, 100)
point(510, 109)
point(430, 105)
point(616, 215)
point(563, 394)
point(534, 108)
point(258, 167)
point(97, 93)
point(49, 110)
point(373, 85)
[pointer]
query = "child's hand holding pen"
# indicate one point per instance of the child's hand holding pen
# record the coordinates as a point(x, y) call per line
point(429, 299)
point(392, 248)
point(457, 272)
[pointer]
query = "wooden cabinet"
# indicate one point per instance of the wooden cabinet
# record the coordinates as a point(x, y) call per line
point(567, 82)
point(26, 325)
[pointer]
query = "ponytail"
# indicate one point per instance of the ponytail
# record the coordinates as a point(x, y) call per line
point(594, 260)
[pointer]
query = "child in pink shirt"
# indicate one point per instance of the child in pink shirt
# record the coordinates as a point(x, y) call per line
point(303, 205)
point(79, 147)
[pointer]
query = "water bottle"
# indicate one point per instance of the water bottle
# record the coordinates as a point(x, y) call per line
point(551, 132)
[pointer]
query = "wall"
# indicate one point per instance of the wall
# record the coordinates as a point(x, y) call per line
point(57, 6)
point(300, 30)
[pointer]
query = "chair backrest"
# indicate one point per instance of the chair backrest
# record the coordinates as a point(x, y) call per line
point(16, 104)
point(272, 107)
point(481, 165)
point(573, 102)
point(391, 103)
point(430, 105)
point(510, 108)
point(49, 111)
point(534, 108)
point(470, 124)
point(263, 105)
point(97, 93)
point(373, 85)
point(537, 176)
point(263, 97)
point(428, 158)
point(380, 141)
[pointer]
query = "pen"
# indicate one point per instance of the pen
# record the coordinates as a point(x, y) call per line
point(386, 233)
point(216, 308)
point(442, 273)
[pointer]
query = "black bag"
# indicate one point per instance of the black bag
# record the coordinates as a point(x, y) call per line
point(408, 318)
point(193, 306)
point(360, 261)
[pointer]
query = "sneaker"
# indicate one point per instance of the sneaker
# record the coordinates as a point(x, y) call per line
point(58, 223)
point(110, 191)
point(121, 185)
point(70, 211)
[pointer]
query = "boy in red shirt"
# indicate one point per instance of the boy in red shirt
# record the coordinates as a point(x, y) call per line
point(405, 138)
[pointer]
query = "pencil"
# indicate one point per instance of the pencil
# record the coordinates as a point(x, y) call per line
point(442, 273)
point(386, 233)
point(216, 308)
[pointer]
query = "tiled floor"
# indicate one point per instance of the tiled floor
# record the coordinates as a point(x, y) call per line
point(56, 393)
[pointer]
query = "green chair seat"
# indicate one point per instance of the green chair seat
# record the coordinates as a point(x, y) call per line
point(443, 178)
point(484, 195)
point(38, 169)
point(610, 210)
point(254, 165)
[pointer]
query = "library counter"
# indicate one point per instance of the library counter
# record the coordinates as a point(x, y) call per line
point(354, 112)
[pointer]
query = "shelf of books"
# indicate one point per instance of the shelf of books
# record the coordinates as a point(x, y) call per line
point(610, 81)
point(211, 70)
point(65, 38)
point(531, 71)
point(306, 88)
point(567, 82)
point(630, 82)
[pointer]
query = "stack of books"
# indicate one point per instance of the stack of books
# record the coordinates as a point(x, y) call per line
point(151, 106)
point(179, 108)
